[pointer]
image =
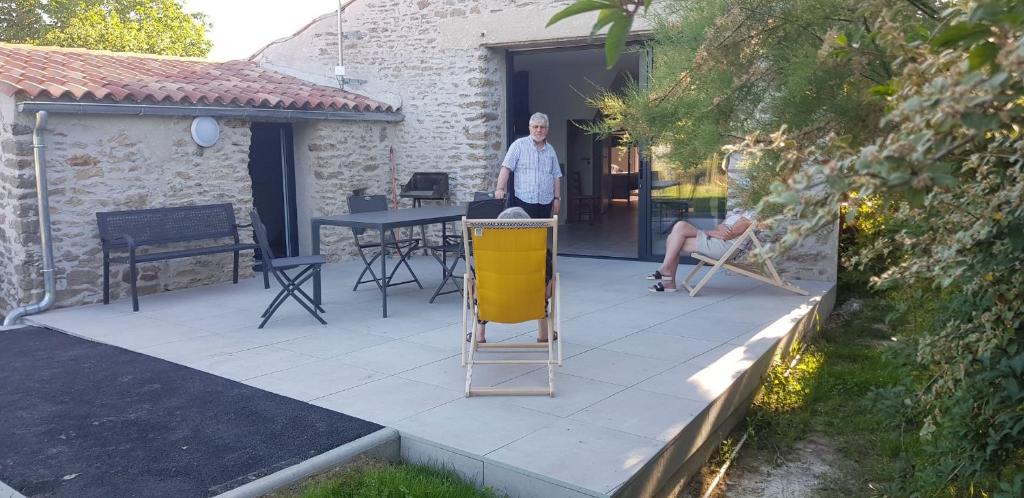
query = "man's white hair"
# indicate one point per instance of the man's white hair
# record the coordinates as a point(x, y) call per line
point(540, 118)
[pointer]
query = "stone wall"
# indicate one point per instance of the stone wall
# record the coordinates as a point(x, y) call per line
point(332, 159)
point(106, 163)
point(17, 195)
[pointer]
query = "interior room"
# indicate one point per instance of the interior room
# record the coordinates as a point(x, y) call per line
point(600, 213)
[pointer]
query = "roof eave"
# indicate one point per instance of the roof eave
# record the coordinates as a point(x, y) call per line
point(212, 111)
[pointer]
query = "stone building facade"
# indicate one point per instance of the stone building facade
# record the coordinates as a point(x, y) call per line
point(107, 163)
point(444, 63)
point(441, 63)
point(104, 163)
point(98, 161)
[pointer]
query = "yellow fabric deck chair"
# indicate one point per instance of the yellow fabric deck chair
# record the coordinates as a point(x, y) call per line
point(507, 271)
point(767, 273)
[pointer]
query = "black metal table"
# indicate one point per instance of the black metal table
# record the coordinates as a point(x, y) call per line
point(382, 221)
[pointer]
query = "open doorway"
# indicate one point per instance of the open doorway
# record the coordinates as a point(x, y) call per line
point(600, 213)
point(272, 170)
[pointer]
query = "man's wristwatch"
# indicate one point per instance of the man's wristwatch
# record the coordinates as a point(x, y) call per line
point(558, 198)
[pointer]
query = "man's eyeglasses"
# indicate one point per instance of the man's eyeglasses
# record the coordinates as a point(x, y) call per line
point(538, 127)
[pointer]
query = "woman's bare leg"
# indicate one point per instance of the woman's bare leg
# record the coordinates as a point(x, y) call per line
point(481, 330)
point(542, 325)
point(674, 244)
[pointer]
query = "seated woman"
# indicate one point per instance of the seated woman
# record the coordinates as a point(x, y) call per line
point(688, 238)
point(518, 213)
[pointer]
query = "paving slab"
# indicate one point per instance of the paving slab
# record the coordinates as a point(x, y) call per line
point(314, 380)
point(389, 400)
point(477, 428)
point(615, 367)
point(571, 450)
point(643, 413)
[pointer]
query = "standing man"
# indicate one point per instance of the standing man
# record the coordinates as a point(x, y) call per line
point(533, 160)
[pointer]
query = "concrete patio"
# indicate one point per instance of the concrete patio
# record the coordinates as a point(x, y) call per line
point(647, 379)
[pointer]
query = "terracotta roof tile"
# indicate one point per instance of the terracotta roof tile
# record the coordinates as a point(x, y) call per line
point(49, 73)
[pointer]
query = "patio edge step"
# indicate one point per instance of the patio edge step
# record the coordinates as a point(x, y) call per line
point(666, 473)
point(384, 443)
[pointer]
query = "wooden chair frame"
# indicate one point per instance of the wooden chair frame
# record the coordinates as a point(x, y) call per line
point(770, 277)
point(470, 346)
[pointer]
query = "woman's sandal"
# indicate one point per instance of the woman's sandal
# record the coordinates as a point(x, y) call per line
point(658, 275)
point(660, 287)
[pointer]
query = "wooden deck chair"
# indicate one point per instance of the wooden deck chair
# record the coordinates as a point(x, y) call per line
point(507, 270)
point(771, 276)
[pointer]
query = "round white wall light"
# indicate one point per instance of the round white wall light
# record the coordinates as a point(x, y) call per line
point(205, 131)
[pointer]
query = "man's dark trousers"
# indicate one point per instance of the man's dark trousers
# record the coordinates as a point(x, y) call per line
point(542, 211)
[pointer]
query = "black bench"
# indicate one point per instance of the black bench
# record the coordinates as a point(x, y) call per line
point(127, 231)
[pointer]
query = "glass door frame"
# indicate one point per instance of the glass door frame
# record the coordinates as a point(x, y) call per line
point(644, 236)
point(645, 249)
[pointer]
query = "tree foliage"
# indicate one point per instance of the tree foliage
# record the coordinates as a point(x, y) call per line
point(950, 165)
point(914, 109)
point(616, 15)
point(723, 69)
point(142, 26)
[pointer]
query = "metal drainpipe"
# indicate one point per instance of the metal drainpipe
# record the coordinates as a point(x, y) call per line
point(43, 194)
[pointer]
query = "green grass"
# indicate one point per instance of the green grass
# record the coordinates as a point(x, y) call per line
point(847, 388)
point(375, 479)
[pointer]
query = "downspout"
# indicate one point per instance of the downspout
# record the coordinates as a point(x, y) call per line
point(43, 194)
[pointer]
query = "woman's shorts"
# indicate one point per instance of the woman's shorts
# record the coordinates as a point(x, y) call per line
point(712, 247)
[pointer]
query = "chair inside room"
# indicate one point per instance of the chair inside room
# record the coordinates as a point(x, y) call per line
point(370, 250)
point(291, 284)
point(506, 282)
point(583, 205)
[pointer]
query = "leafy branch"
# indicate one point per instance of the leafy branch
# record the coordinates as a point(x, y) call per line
point(618, 14)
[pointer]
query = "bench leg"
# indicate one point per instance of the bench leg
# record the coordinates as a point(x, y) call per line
point(135, 294)
point(106, 278)
point(234, 275)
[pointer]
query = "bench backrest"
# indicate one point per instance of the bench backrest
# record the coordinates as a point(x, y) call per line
point(165, 225)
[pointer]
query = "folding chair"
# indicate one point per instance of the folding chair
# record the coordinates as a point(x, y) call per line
point(291, 285)
point(738, 247)
point(453, 246)
point(507, 272)
point(404, 247)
